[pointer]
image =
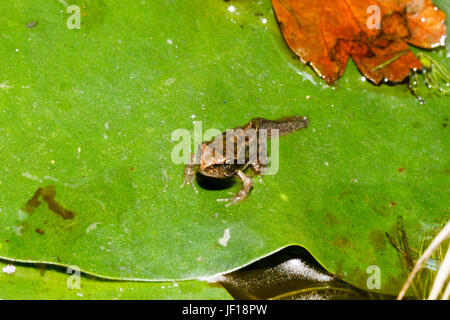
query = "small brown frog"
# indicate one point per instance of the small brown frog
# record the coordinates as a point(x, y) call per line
point(231, 153)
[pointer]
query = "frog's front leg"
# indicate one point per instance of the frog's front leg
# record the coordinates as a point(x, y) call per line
point(189, 173)
point(257, 165)
point(247, 185)
point(258, 169)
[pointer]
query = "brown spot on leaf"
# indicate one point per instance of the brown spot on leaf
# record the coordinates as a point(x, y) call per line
point(378, 239)
point(343, 242)
point(48, 195)
point(339, 270)
point(40, 231)
point(33, 202)
point(383, 210)
point(401, 170)
point(42, 268)
point(344, 194)
point(331, 219)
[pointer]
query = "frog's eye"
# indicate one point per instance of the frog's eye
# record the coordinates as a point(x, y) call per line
point(227, 164)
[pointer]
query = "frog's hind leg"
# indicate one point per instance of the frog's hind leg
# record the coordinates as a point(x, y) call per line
point(247, 185)
point(189, 173)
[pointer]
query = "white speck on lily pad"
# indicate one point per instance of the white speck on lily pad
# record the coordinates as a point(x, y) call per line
point(30, 176)
point(9, 269)
point(22, 215)
point(5, 85)
point(226, 236)
point(92, 226)
point(169, 82)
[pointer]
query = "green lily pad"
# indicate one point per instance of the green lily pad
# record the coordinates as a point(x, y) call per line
point(86, 118)
point(26, 282)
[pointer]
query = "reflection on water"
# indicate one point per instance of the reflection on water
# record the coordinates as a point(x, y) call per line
point(291, 274)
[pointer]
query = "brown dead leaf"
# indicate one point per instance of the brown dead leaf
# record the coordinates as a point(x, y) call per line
point(326, 33)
